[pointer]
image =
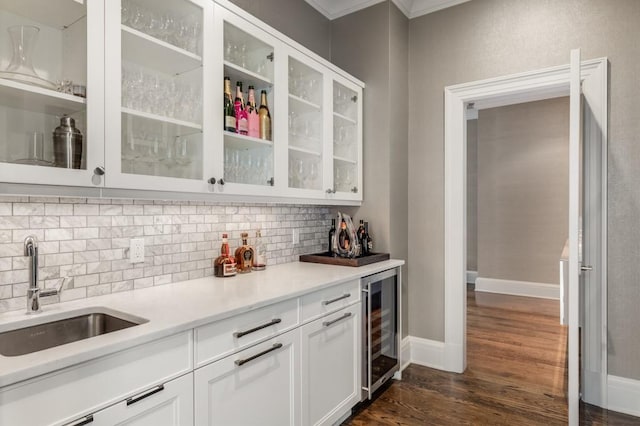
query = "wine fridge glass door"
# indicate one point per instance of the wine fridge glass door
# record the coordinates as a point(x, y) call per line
point(380, 343)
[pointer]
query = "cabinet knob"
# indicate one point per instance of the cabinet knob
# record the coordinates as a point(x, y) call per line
point(271, 181)
point(270, 56)
point(99, 171)
point(354, 189)
point(221, 181)
point(354, 99)
point(212, 181)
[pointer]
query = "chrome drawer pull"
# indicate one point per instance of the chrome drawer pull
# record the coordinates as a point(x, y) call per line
point(147, 394)
point(81, 422)
point(274, 321)
point(240, 362)
point(344, 296)
point(330, 323)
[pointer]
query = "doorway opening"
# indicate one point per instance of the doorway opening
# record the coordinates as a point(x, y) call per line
point(525, 87)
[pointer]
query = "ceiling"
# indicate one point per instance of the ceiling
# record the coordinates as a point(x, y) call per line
point(333, 9)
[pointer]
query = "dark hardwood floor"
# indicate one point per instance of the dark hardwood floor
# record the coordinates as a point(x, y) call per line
point(516, 374)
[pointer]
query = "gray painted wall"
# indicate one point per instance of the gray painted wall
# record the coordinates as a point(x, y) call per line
point(472, 195)
point(523, 190)
point(296, 19)
point(489, 38)
point(372, 44)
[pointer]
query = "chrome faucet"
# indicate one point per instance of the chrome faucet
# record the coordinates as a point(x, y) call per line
point(34, 292)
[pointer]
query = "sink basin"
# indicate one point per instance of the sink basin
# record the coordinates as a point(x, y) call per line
point(60, 331)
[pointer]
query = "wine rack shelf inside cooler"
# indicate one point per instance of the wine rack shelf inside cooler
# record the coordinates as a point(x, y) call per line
point(26, 97)
point(150, 52)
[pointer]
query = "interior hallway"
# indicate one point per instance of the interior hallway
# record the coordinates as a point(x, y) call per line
point(516, 374)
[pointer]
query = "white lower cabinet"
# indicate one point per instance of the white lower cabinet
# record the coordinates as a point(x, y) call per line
point(330, 366)
point(257, 386)
point(169, 404)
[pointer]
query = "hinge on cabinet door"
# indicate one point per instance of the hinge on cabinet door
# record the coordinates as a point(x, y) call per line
point(354, 189)
point(270, 56)
point(354, 99)
point(271, 181)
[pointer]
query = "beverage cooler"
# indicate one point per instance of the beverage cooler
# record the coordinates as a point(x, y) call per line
point(380, 346)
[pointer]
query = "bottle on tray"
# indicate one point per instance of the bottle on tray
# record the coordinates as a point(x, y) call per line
point(362, 239)
point(332, 238)
point(260, 253)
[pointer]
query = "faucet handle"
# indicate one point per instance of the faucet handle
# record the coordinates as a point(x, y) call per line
point(31, 246)
point(57, 290)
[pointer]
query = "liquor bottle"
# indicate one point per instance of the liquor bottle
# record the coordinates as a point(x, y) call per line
point(240, 110)
point(368, 238)
point(224, 265)
point(344, 241)
point(244, 255)
point(260, 253)
point(229, 109)
point(332, 237)
point(253, 119)
point(362, 239)
point(265, 117)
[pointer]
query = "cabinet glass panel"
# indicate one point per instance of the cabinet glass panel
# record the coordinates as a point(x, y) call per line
point(162, 88)
point(305, 126)
point(248, 151)
point(345, 138)
point(43, 78)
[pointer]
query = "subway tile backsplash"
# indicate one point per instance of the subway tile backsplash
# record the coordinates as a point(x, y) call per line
point(88, 239)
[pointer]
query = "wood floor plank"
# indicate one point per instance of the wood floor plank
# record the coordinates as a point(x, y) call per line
point(516, 374)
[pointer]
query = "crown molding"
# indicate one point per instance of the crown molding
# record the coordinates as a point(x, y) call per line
point(333, 9)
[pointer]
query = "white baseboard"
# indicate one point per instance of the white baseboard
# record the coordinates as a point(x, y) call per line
point(405, 353)
point(428, 353)
point(471, 277)
point(623, 395)
point(518, 288)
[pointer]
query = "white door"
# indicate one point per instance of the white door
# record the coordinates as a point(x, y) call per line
point(575, 189)
point(255, 387)
point(330, 366)
point(168, 404)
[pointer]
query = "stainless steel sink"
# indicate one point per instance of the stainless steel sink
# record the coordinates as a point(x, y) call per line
point(56, 332)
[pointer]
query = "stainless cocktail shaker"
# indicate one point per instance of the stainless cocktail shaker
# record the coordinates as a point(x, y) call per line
point(67, 144)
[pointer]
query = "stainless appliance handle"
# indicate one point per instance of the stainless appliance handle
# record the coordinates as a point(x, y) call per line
point(330, 323)
point(344, 296)
point(367, 325)
point(240, 362)
point(239, 334)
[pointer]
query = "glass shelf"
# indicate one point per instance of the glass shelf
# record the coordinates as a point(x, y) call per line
point(186, 127)
point(18, 95)
point(237, 141)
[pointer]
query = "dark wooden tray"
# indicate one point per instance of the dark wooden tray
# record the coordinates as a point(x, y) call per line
point(328, 259)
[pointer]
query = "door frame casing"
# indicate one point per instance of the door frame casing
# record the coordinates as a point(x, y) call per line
point(517, 88)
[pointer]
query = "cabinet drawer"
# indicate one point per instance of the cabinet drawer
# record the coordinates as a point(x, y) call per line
point(255, 387)
point(330, 299)
point(222, 338)
point(66, 395)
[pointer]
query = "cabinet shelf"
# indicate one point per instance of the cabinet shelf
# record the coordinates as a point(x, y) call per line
point(161, 56)
point(245, 142)
point(345, 160)
point(58, 14)
point(184, 127)
point(305, 151)
point(248, 78)
point(305, 103)
point(38, 99)
point(344, 118)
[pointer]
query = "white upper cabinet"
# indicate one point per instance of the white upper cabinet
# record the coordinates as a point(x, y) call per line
point(158, 94)
point(51, 66)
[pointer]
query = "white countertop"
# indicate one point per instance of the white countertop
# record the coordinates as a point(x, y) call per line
point(173, 308)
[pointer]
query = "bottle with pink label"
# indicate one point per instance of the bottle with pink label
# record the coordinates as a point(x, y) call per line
point(253, 119)
point(241, 112)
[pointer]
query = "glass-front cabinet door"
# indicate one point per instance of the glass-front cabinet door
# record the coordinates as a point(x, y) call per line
point(51, 91)
point(307, 127)
point(246, 82)
point(156, 100)
point(347, 139)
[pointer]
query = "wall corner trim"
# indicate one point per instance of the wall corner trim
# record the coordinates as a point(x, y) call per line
point(472, 276)
point(518, 288)
point(623, 395)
